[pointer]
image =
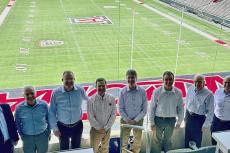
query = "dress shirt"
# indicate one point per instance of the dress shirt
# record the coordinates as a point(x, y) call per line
point(32, 120)
point(132, 103)
point(3, 126)
point(66, 106)
point(222, 105)
point(101, 111)
point(167, 104)
point(201, 102)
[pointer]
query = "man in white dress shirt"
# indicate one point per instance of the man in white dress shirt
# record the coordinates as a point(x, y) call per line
point(199, 111)
point(221, 119)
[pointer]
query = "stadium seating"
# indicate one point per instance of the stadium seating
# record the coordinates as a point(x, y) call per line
point(218, 10)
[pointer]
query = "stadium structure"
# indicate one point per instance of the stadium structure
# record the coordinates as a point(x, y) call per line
point(103, 38)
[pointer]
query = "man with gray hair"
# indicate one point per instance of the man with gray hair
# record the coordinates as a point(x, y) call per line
point(199, 111)
point(133, 108)
point(31, 118)
point(221, 119)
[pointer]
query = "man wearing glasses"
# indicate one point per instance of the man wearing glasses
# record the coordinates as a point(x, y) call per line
point(221, 119)
point(199, 111)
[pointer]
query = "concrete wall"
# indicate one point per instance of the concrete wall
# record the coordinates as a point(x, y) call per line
point(177, 139)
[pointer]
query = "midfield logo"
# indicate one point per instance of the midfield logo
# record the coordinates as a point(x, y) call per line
point(51, 43)
point(91, 20)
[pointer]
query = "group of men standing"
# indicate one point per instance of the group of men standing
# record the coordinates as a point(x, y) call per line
point(34, 119)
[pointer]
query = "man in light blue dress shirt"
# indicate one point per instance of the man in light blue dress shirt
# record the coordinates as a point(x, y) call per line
point(166, 105)
point(66, 112)
point(31, 117)
point(199, 111)
point(133, 108)
point(221, 119)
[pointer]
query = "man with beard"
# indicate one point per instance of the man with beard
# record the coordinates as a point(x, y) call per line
point(221, 119)
point(101, 110)
point(31, 117)
point(133, 108)
point(166, 105)
point(66, 111)
point(199, 111)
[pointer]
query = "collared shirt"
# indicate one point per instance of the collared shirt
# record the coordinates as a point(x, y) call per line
point(32, 120)
point(222, 105)
point(3, 126)
point(201, 102)
point(132, 103)
point(167, 104)
point(101, 111)
point(66, 106)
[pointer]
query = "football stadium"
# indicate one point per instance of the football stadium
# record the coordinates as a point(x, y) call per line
point(40, 39)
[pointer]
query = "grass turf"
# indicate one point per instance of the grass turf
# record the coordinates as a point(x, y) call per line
point(93, 51)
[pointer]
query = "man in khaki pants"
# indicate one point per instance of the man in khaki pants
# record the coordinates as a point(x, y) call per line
point(133, 108)
point(101, 114)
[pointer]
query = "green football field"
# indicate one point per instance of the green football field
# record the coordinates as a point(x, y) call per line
point(142, 40)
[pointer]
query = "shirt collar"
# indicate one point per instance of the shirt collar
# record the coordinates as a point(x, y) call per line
point(173, 89)
point(225, 92)
point(100, 97)
point(63, 89)
point(128, 89)
point(199, 91)
point(36, 103)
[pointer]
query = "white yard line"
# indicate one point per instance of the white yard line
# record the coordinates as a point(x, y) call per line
point(198, 31)
point(5, 12)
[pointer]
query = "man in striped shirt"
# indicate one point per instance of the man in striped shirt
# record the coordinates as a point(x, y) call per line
point(101, 111)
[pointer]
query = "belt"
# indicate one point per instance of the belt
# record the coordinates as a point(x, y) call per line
point(165, 118)
point(69, 125)
point(194, 114)
point(223, 121)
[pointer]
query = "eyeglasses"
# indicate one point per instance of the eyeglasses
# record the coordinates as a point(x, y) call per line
point(31, 93)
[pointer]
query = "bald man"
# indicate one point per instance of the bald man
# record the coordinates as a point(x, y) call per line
point(31, 118)
point(221, 119)
point(199, 111)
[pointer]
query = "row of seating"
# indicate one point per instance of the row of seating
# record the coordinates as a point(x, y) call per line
point(220, 8)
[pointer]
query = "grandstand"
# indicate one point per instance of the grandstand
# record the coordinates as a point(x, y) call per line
point(212, 10)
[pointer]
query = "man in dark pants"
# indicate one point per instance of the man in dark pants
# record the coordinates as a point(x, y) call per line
point(199, 111)
point(8, 131)
point(221, 119)
point(166, 105)
point(66, 111)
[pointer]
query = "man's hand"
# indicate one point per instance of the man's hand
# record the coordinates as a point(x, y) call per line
point(57, 133)
point(204, 129)
point(177, 125)
point(131, 122)
point(102, 131)
point(153, 127)
point(15, 143)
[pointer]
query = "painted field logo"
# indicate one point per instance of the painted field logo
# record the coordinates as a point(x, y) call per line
point(91, 20)
point(51, 43)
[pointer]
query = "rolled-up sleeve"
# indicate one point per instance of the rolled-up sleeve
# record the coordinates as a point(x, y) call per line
point(53, 113)
point(180, 108)
point(144, 107)
point(122, 111)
